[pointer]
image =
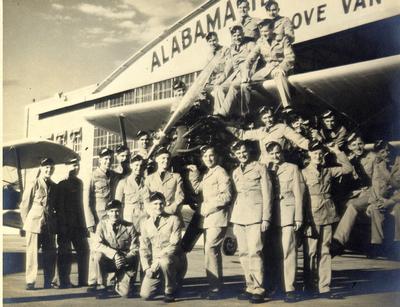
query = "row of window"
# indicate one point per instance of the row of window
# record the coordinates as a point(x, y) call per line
point(151, 92)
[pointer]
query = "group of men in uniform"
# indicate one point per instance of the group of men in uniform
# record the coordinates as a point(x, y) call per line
point(133, 214)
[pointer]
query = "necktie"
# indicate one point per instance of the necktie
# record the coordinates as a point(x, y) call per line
point(243, 20)
point(157, 221)
point(162, 175)
point(137, 179)
point(115, 228)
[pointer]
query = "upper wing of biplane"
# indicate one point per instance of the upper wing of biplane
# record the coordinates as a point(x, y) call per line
point(341, 88)
point(27, 153)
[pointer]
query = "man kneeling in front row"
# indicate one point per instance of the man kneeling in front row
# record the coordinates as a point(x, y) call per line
point(159, 242)
point(116, 251)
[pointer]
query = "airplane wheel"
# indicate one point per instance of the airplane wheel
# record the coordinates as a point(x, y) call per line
point(229, 246)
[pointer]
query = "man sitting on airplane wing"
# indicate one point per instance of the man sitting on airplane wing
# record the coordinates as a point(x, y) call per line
point(278, 56)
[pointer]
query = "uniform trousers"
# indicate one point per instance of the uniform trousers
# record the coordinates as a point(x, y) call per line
point(213, 238)
point(288, 257)
point(231, 97)
point(124, 277)
point(166, 276)
point(46, 241)
point(317, 259)
point(77, 237)
point(92, 277)
point(378, 218)
point(353, 207)
point(250, 244)
point(281, 83)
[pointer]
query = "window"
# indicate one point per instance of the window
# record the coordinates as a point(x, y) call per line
point(129, 97)
point(162, 89)
point(144, 93)
point(116, 101)
point(76, 140)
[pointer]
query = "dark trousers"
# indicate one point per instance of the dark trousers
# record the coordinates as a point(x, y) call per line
point(76, 237)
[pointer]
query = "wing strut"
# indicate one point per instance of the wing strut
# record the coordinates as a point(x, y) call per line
point(122, 128)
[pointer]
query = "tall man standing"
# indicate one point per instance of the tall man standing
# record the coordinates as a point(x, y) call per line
point(38, 216)
point(71, 227)
point(251, 216)
point(101, 190)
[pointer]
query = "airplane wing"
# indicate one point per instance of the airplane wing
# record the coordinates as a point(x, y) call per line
point(142, 116)
point(31, 151)
point(359, 90)
point(339, 88)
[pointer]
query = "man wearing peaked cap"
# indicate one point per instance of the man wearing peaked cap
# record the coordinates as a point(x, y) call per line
point(101, 191)
point(39, 219)
point(322, 214)
point(363, 163)
point(116, 250)
point(71, 227)
point(130, 192)
point(171, 186)
point(331, 130)
point(122, 156)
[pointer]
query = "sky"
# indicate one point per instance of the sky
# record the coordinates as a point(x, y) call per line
point(61, 45)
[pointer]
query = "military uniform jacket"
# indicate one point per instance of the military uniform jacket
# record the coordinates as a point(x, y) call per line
point(159, 242)
point(70, 212)
point(250, 28)
point(338, 136)
point(362, 173)
point(277, 53)
point(277, 133)
point(38, 206)
point(253, 203)
point(235, 58)
point(283, 27)
point(130, 192)
point(170, 187)
point(124, 241)
point(101, 191)
point(321, 208)
point(216, 189)
point(385, 180)
point(289, 194)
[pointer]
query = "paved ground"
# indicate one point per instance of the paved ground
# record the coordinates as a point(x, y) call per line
point(363, 282)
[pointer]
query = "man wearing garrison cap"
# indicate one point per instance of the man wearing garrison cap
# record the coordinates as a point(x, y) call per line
point(122, 157)
point(116, 250)
point(144, 142)
point(71, 227)
point(101, 191)
point(331, 130)
point(39, 219)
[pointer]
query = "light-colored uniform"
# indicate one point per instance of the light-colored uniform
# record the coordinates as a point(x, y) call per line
point(277, 133)
point(171, 187)
point(283, 27)
point(288, 209)
point(253, 205)
point(160, 244)
point(385, 190)
point(276, 54)
point(109, 241)
point(359, 198)
point(321, 215)
point(130, 193)
point(231, 82)
point(215, 187)
point(250, 28)
point(101, 191)
point(38, 216)
point(338, 136)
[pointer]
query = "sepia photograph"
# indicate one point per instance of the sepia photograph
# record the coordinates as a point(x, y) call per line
point(201, 152)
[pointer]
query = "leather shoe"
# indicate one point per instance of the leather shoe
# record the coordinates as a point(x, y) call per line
point(290, 297)
point(102, 294)
point(91, 288)
point(51, 285)
point(30, 287)
point(213, 295)
point(169, 298)
point(331, 296)
point(244, 296)
point(256, 299)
